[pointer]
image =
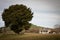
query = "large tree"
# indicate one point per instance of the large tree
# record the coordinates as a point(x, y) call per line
point(17, 17)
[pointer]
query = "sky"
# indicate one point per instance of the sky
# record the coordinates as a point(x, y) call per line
point(46, 12)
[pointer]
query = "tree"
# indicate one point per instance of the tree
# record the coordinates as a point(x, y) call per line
point(17, 17)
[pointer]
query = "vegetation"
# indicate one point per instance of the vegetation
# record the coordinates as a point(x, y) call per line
point(30, 36)
point(57, 28)
point(17, 17)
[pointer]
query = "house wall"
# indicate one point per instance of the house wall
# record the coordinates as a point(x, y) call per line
point(44, 31)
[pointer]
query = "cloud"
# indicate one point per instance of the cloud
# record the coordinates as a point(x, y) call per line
point(0, 15)
point(1, 24)
point(46, 19)
point(46, 12)
point(34, 4)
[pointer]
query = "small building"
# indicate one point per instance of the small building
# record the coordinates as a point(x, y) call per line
point(44, 31)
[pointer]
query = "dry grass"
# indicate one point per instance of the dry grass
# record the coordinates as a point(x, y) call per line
point(30, 36)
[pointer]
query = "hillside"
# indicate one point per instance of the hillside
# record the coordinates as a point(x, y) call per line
point(35, 26)
point(33, 29)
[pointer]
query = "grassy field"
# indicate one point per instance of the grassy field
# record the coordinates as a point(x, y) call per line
point(30, 36)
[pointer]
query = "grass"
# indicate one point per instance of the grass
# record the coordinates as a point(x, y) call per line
point(30, 36)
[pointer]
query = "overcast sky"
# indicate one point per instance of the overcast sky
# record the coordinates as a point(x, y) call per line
point(46, 12)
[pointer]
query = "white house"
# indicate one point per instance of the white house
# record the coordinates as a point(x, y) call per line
point(44, 31)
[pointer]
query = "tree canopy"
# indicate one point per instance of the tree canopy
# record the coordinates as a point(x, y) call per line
point(17, 17)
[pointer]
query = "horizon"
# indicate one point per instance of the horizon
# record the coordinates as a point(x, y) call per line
point(46, 12)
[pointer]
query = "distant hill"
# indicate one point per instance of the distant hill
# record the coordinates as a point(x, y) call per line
point(33, 29)
point(35, 26)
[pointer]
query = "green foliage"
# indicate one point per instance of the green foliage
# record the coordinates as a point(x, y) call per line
point(17, 17)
